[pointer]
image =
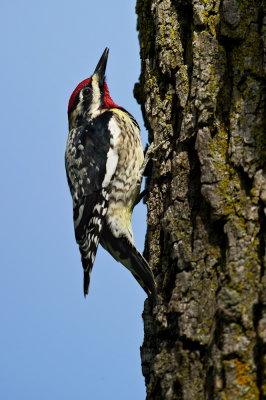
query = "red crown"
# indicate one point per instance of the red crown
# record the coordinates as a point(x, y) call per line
point(76, 91)
point(107, 101)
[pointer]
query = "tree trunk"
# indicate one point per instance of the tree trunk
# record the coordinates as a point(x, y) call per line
point(202, 88)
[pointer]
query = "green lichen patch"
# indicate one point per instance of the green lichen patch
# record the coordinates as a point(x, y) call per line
point(168, 42)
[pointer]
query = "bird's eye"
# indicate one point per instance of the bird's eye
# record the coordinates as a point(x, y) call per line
point(86, 91)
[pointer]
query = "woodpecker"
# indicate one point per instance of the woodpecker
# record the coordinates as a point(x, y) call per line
point(103, 162)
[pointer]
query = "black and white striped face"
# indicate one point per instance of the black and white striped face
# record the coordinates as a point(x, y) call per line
point(88, 101)
point(83, 99)
point(88, 97)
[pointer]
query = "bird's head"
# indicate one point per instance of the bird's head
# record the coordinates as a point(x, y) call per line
point(91, 95)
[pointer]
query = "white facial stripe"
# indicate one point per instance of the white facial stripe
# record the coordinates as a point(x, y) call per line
point(96, 94)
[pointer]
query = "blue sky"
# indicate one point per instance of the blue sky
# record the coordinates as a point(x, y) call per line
point(54, 344)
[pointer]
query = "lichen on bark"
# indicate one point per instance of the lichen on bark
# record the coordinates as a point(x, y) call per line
point(202, 88)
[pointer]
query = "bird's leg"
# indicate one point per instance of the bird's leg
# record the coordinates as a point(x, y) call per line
point(149, 155)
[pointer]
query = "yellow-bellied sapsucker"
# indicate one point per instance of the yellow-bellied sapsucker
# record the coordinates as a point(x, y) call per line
point(103, 161)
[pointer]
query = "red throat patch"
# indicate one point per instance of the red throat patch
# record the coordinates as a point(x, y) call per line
point(107, 101)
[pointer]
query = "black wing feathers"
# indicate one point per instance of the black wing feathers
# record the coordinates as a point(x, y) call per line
point(91, 143)
point(89, 146)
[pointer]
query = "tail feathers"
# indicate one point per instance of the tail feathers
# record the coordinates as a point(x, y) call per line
point(126, 253)
point(88, 249)
point(88, 226)
point(86, 282)
point(141, 271)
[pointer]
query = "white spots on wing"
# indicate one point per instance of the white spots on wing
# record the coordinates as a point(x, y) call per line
point(98, 208)
point(97, 221)
point(73, 151)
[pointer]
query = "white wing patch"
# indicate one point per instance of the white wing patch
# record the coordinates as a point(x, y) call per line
point(112, 155)
point(115, 131)
point(112, 158)
point(96, 98)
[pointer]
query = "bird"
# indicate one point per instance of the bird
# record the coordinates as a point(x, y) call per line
point(104, 162)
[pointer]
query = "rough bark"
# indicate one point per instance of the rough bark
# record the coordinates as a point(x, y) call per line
point(202, 87)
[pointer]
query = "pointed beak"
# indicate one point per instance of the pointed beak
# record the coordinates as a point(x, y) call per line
point(101, 67)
